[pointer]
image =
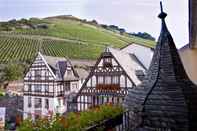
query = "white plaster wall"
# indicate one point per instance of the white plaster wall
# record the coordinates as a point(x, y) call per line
point(53, 106)
point(101, 63)
point(114, 63)
point(93, 81)
point(59, 107)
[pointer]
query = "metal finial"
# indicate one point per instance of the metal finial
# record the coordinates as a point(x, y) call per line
point(162, 15)
point(161, 6)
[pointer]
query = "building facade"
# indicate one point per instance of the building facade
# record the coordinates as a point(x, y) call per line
point(188, 53)
point(114, 73)
point(46, 86)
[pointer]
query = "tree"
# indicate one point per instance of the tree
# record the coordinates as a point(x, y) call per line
point(94, 22)
point(13, 72)
point(122, 30)
point(144, 35)
point(26, 125)
point(24, 21)
point(13, 21)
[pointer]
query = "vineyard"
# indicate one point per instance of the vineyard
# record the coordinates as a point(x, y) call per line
point(25, 49)
point(64, 38)
point(17, 49)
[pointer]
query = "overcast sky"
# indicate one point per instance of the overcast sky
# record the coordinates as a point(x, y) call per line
point(133, 15)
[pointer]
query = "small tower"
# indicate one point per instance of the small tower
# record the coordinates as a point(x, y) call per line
point(166, 99)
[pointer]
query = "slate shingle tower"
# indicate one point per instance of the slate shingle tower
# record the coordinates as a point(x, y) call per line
point(166, 99)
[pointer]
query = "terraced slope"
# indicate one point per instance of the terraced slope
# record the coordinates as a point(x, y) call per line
point(69, 38)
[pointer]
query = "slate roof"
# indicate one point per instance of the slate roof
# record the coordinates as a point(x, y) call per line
point(166, 99)
point(134, 57)
point(83, 73)
point(128, 63)
point(52, 61)
point(59, 66)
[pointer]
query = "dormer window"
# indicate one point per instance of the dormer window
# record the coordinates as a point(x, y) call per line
point(107, 62)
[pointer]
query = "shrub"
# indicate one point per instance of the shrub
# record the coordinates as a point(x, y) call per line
point(13, 72)
point(73, 121)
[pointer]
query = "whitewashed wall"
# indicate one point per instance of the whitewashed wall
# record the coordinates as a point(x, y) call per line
point(54, 105)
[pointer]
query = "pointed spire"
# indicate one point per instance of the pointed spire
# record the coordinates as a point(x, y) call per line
point(165, 92)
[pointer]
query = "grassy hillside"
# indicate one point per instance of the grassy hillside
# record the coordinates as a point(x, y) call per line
point(62, 37)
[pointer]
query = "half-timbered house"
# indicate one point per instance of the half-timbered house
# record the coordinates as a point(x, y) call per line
point(109, 80)
point(47, 84)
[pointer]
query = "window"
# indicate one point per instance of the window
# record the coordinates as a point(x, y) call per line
point(115, 80)
point(29, 88)
point(37, 88)
point(100, 79)
point(47, 88)
point(38, 103)
point(107, 62)
point(47, 103)
point(29, 102)
point(67, 86)
point(74, 86)
point(46, 76)
point(107, 79)
point(37, 74)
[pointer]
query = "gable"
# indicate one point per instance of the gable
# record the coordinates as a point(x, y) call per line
point(39, 65)
point(101, 75)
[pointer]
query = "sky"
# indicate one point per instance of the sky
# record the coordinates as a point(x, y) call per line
point(133, 15)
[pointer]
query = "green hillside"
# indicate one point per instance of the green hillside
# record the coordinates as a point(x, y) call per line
point(71, 38)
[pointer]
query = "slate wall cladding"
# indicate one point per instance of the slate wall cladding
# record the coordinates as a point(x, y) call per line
point(166, 99)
